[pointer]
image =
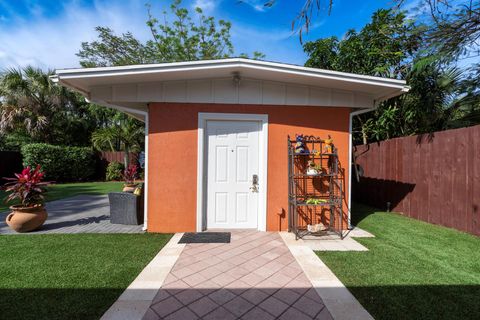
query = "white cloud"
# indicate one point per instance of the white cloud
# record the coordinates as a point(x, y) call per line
point(257, 5)
point(53, 42)
point(208, 6)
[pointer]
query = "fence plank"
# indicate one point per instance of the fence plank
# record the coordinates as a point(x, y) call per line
point(459, 186)
point(475, 199)
point(434, 178)
point(117, 156)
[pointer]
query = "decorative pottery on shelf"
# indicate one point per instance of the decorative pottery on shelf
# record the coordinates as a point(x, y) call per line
point(312, 168)
point(25, 219)
point(328, 145)
point(316, 227)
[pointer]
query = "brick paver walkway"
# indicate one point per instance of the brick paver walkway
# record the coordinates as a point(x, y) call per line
point(253, 277)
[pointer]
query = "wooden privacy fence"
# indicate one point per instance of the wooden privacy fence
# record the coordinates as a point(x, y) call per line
point(432, 177)
point(117, 156)
point(10, 163)
point(105, 157)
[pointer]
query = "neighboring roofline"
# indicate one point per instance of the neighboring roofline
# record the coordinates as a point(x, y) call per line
point(77, 73)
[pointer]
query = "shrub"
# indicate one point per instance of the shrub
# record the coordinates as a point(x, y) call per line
point(60, 163)
point(114, 171)
point(130, 174)
point(27, 187)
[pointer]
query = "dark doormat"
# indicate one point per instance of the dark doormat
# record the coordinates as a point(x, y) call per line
point(205, 237)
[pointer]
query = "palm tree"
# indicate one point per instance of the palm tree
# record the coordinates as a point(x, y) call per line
point(30, 100)
point(123, 135)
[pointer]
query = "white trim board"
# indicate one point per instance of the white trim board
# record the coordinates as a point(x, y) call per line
point(145, 174)
point(209, 66)
point(203, 117)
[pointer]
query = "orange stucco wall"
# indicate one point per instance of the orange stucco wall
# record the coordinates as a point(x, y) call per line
point(172, 163)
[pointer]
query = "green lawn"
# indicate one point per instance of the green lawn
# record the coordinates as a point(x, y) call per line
point(64, 190)
point(414, 270)
point(75, 276)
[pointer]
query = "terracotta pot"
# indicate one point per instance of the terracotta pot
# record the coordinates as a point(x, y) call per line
point(129, 187)
point(25, 219)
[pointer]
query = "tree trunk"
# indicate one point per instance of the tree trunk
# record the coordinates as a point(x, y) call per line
point(363, 130)
point(364, 136)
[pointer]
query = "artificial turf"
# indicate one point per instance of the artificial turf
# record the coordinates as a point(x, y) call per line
point(69, 276)
point(413, 270)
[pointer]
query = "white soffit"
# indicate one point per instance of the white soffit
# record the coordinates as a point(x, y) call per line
point(143, 83)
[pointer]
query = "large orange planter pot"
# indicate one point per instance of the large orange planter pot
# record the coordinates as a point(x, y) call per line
point(129, 187)
point(25, 219)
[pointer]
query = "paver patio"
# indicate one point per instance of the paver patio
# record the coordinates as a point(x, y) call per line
point(253, 277)
point(79, 214)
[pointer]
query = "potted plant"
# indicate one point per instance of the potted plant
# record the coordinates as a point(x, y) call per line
point(129, 176)
point(27, 188)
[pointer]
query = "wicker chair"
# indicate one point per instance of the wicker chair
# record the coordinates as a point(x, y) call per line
point(126, 208)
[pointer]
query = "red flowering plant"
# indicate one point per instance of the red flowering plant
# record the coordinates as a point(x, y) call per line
point(130, 174)
point(27, 187)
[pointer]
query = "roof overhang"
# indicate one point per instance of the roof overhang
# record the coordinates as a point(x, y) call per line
point(86, 80)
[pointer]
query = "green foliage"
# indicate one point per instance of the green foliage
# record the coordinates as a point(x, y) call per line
point(452, 37)
point(126, 135)
point(60, 163)
point(393, 46)
point(111, 49)
point(322, 53)
point(381, 48)
point(187, 36)
point(34, 109)
point(384, 47)
point(13, 141)
point(114, 171)
point(30, 100)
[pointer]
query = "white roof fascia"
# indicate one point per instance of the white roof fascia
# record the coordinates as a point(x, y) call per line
point(223, 63)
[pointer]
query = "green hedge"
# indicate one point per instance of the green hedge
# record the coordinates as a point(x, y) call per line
point(60, 163)
point(114, 171)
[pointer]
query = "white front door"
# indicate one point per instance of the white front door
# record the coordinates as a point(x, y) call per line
point(233, 160)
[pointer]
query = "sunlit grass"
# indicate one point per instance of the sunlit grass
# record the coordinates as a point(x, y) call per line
point(413, 270)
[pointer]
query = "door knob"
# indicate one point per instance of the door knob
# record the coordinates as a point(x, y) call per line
point(254, 186)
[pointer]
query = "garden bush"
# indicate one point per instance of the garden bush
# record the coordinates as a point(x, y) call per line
point(115, 171)
point(60, 163)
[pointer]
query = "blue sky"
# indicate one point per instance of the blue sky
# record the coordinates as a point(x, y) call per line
point(48, 33)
